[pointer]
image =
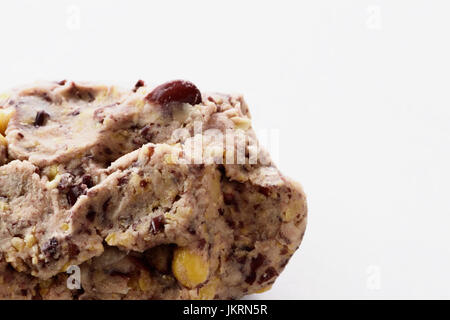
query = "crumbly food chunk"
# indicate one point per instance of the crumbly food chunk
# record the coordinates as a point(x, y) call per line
point(109, 180)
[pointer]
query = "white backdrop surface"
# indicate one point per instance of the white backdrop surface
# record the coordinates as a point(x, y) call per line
point(357, 90)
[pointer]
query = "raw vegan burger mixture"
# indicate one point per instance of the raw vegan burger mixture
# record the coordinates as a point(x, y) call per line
point(106, 180)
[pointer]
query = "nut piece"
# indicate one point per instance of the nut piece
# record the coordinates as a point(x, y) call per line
point(175, 91)
point(17, 243)
point(189, 267)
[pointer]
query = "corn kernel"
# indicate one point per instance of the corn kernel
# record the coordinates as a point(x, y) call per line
point(241, 123)
point(122, 239)
point(3, 206)
point(189, 267)
point(3, 141)
point(208, 291)
point(5, 116)
point(145, 281)
point(30, 240)
point(17, 243)
point(265, 289)
point(111, 239)
point(52, 172)
point(53, 183)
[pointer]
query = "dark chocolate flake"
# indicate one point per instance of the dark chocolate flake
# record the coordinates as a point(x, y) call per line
point(264, 190)
point(73, 249)
point(122, 180)
point(143, 184)
point(255, 264)
point(268, 275)
point(228, 198)
point(157, 224)
point(41, 118)
point(51, 248)
point(87, 180)
point(201, 244)
point(138, 84)
point(74, 193)
point(91, 215)
point(146, 134)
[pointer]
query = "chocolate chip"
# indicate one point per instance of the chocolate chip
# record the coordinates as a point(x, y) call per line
point(175, 91)
point(138, 84)
point(62, 82)
point(51, 248)
point(157, 224)
point(254, 266)
point(228, 198)
point(146, 134)
point(73, 249)
point(231, 224)
point(41, 118)
point(122, 180)
point(143, 184)
point(257, 262)
point(267, 275)
point(264, 190)
point(222, 171)
point(91, 215)
point(74, 193)
point(87, 180)
point(201, 243)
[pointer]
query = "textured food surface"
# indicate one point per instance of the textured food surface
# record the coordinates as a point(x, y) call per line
point(109, 180)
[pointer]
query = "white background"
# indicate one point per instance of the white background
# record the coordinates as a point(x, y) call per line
point(358, 91)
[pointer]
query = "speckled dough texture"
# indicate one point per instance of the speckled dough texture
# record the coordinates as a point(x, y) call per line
point(104, 179)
